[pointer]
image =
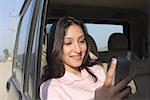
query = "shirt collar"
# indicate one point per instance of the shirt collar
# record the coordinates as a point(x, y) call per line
point(70, 78)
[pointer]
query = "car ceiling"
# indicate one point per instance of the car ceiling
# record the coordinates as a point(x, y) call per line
point(140, 5)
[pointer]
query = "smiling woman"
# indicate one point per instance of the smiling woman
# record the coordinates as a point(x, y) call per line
point(74, 49)
point(69, 43)
point(69, 74)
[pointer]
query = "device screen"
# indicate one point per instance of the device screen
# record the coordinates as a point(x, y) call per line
point(122, 69)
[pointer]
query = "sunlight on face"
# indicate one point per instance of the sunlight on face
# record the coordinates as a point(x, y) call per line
point(74, 48)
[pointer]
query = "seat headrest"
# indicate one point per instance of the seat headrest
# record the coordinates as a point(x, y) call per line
point(93, 48)
point(117, 41)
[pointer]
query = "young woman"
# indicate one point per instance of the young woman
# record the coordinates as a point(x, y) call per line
point(69, 74)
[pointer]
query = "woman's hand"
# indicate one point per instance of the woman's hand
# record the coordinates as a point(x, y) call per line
point(109, 92)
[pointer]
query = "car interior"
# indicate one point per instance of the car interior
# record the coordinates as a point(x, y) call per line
point(118, 28)
point(131, 15)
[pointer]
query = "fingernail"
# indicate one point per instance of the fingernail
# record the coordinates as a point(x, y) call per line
point(114, 60)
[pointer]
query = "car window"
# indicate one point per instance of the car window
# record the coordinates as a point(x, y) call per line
point(32, 81)
point(21, 43)
point(32, 68)
point(101, 33)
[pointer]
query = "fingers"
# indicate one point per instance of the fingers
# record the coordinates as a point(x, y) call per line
point(122, 84)
point(125, 92)
point(111, 72)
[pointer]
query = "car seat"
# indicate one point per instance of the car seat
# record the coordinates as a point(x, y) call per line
point(117, 46)
point(93, 48)
point(94, 55)
point(140, 72)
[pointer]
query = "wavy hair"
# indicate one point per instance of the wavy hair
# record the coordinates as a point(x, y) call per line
point(55, 66)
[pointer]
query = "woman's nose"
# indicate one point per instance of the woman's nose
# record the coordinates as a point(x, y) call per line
point(77, 48)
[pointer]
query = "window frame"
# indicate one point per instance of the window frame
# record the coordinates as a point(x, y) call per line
point(37, 31)
point(35, 36)
point(126, 26)
point(16, 82)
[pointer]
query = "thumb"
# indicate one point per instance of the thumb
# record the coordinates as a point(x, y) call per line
point(110, 73)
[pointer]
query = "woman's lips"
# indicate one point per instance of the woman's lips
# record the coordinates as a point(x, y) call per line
point(76, 56)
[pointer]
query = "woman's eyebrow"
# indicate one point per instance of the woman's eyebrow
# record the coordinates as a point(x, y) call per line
point(69, 38)
point(82, 36)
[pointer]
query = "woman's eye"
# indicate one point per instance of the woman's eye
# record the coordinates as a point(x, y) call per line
point(82, 41)
point(67, 43)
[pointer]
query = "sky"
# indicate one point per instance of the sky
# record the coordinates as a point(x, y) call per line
point(9, 15)
point(101, 33)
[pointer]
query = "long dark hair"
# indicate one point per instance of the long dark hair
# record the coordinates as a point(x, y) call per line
point(55, 66)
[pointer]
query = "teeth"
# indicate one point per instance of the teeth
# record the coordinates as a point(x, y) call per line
point(76, 56)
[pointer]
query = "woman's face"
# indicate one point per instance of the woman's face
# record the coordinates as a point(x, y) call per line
point(74, 48)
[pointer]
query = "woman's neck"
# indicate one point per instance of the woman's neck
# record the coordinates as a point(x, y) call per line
point(73, 70)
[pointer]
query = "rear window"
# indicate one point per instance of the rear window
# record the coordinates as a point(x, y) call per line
point(100, 33)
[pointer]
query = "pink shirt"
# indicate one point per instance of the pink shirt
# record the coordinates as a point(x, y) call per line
point(72, 87)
